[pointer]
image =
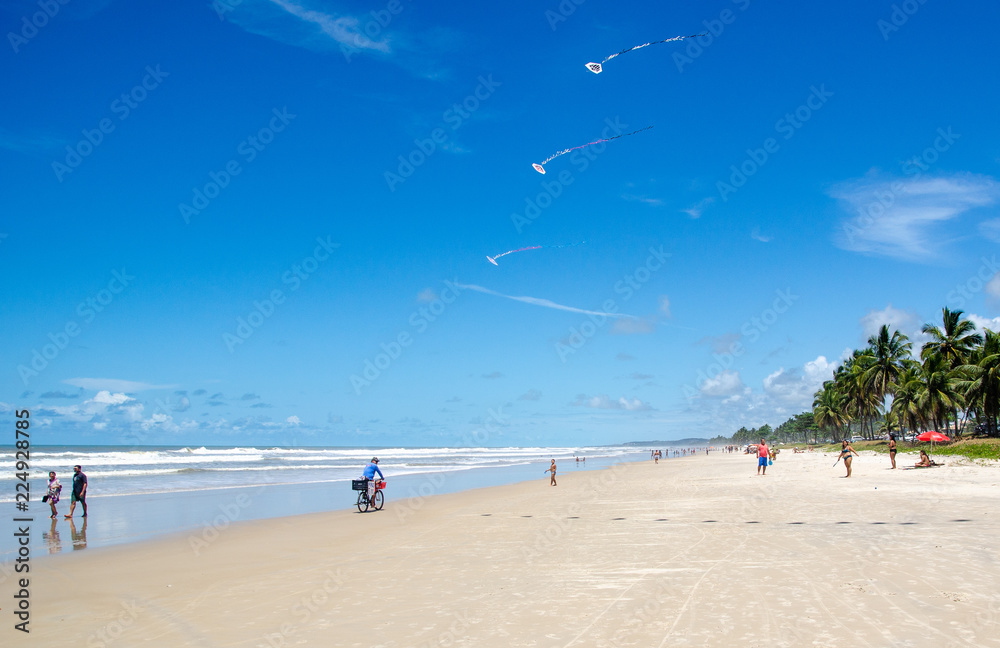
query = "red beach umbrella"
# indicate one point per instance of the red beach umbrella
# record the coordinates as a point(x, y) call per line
point(932, 436)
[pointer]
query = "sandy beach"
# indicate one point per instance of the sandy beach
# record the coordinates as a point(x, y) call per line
point(694, 551)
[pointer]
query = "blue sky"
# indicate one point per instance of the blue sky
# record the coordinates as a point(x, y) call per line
point(267, 221)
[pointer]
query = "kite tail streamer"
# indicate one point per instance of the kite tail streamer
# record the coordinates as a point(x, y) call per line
point(493, 259)
point(541, 168)
point(597, 68)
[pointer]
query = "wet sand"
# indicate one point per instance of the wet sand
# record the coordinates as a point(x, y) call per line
point(695, 551)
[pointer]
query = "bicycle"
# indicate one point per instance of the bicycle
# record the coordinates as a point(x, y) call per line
point(377, 500)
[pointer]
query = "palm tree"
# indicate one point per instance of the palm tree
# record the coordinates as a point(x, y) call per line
point(939, 394)
point(862, 403)
point(981, 383)
point(829, 408)
point(904, 404)
point(888, 353)
point(953, 343)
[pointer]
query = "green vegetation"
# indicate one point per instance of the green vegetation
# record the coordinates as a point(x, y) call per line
point(954, 386)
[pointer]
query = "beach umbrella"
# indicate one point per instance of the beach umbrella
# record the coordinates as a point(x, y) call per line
point(932, 436)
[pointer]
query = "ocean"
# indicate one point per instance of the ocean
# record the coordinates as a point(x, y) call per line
point(139, 493)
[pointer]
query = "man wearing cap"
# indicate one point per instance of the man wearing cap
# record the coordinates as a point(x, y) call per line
point(369, 474)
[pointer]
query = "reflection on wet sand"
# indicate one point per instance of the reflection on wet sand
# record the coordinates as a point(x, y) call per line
point(79, 537)
point(51, 538)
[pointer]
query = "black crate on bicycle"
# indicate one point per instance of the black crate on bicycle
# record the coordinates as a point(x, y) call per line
point(359, 484)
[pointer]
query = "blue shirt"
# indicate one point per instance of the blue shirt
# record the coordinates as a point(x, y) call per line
point(370, 471)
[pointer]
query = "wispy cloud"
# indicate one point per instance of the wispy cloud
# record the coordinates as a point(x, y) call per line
point(114, 384)
point(296, 24)
point(602, 401)
point(530, 395)
point(696, 210)
point(903, 218)
point(537, 301)
point(757, 236)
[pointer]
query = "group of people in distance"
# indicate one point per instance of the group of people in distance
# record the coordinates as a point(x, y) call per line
point(54, 489)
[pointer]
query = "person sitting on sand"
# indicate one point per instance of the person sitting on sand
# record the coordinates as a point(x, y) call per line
point(925, 461)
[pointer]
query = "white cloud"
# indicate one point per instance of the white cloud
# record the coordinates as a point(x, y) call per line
point(426, 295)
point(665, 305)
point(310, 28)
point(293, 420)
point(983, 323)
point(113, 384)
point(602, 401)
point(904, 321)
point(757, 236)
point(634, 326)
point(538, 301)
point(696, 210)
point(795, 388)
point(993, 286)
point(726, 383)
point(902, 218)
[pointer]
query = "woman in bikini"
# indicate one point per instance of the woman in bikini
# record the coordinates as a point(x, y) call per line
point(892, 450)
point(846, 454)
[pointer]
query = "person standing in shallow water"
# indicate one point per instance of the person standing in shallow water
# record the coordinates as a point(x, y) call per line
point(79, 491)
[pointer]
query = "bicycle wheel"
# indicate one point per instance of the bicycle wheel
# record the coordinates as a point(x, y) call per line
point(379, 500)
point(362, 502)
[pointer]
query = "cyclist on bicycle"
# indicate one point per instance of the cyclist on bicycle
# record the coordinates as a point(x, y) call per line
point(369, 474)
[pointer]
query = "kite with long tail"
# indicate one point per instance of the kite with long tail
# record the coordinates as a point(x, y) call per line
point(541, 167)
point(597, 68)
point(493, 259)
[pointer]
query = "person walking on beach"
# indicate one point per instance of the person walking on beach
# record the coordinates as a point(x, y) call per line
point(845, 454)
point(552, 469)
point(892, 450)
point(79, 491)
point(762, 455)
point(52, 495)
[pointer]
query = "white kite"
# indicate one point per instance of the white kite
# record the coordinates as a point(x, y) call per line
point(597, 68)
